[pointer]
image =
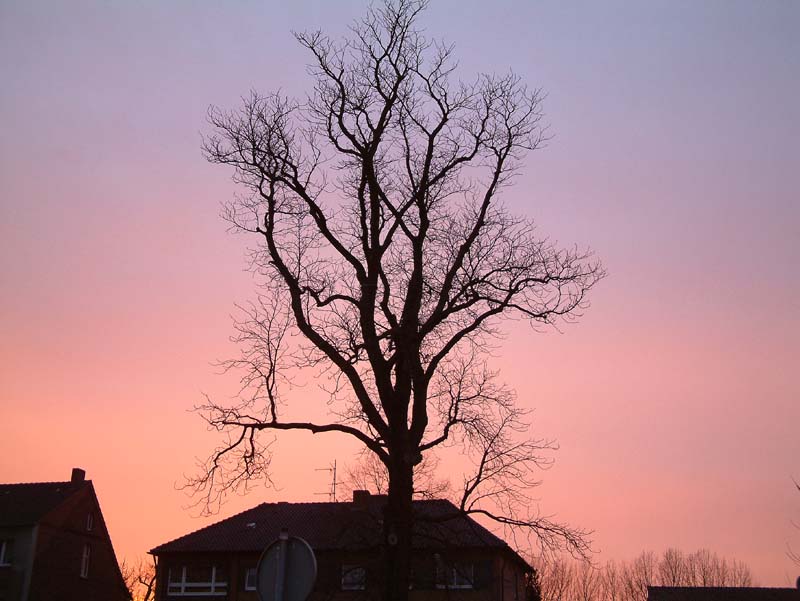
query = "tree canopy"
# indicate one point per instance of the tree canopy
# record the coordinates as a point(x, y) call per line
point(387, 264)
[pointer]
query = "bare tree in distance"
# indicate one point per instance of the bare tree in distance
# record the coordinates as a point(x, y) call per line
point(140, 579)
point(795, 555)
point(387, 264)
point(563, 579)
point(369, 473)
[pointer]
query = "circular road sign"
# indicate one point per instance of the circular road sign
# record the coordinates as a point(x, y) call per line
point(287, 570)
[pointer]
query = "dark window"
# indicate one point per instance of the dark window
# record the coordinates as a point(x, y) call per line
point(455, 575)
point(6, 547)
point(423, 573)
point(87, 553)
point(250, 578)
point(354, 578)
point(483, 574)
point(89, 522)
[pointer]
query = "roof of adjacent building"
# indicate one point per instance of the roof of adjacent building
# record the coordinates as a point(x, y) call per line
point(334, 526)
point(26, 504)
point(714, 593)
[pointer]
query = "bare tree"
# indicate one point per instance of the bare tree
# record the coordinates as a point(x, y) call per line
point(740, 574)
point(387, 263)
point(702, 568)
point(140, 579)
point(556, 577)
point(566, 580)
point(369, 473)
point(588, 583)
point(672, 568)
point(612, 582)
point(794, 555)
point(705, 568)
point(638, 575)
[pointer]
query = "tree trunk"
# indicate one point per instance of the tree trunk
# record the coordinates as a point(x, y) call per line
point(398, 521)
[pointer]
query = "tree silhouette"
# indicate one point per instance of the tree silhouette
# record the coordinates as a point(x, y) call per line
point(370, 474)
point(387, 263)
point(795, 555)
point(140, 579)
point(564, 580)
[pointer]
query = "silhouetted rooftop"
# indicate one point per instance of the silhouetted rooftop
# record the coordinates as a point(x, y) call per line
point(25, 504)
point(712, 593)
point(331, 526)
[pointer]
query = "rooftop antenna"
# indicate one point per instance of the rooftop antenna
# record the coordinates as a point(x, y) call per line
point(332, 489)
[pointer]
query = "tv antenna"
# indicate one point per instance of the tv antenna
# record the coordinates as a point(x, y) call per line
point(331, 469)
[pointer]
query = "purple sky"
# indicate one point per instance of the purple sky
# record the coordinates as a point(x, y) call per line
point(675, 157)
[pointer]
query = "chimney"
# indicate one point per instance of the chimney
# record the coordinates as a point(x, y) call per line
point(78, 475)
point(360, 498)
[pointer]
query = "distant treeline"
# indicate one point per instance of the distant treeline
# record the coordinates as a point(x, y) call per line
point(570, 580)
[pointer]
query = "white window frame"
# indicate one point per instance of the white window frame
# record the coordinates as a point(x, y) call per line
point(187, 588)
point(85, 559)
point(248, 585)
point(349, 570)
point(459, 575)
point(5, 546)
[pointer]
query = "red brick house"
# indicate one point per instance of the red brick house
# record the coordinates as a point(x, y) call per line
point(54, 544)
point(454, 556)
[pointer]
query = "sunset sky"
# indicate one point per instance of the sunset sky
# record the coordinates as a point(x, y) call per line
point(675, 157)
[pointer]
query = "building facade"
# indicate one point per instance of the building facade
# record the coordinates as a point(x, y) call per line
point(54, 543)
point(454, 557)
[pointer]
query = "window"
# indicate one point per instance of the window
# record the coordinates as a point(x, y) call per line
point(6, 547)
point(89, 522)
point(87, 553)
point(354, 578)
point(199, 581)
point(455, 575)
point(250, 579)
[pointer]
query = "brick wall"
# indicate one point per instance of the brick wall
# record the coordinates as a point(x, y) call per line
point(496, 578)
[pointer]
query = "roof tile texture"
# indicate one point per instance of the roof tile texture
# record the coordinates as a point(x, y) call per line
point(328, 526)
point(26, 504)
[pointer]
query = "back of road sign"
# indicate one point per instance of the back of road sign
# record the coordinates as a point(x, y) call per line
point(287, 570)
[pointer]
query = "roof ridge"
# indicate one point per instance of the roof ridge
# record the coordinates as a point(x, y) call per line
point(222, 521)
point(24, 503)
point(321, 523)
point(285, 503)
point(39, 483)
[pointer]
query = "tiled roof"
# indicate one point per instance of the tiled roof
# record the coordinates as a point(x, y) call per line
point(712, 593)
point(25, 504)
point(329, 526)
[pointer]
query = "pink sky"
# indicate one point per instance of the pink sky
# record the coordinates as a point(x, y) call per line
point(675, 157)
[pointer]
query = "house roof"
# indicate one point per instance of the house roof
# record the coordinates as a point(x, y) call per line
point(334, 526)
point(26, 504)
point(713, 593)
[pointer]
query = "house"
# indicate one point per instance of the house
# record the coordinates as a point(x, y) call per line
point(54, 544)
point(721, 593)
point(454, 557)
